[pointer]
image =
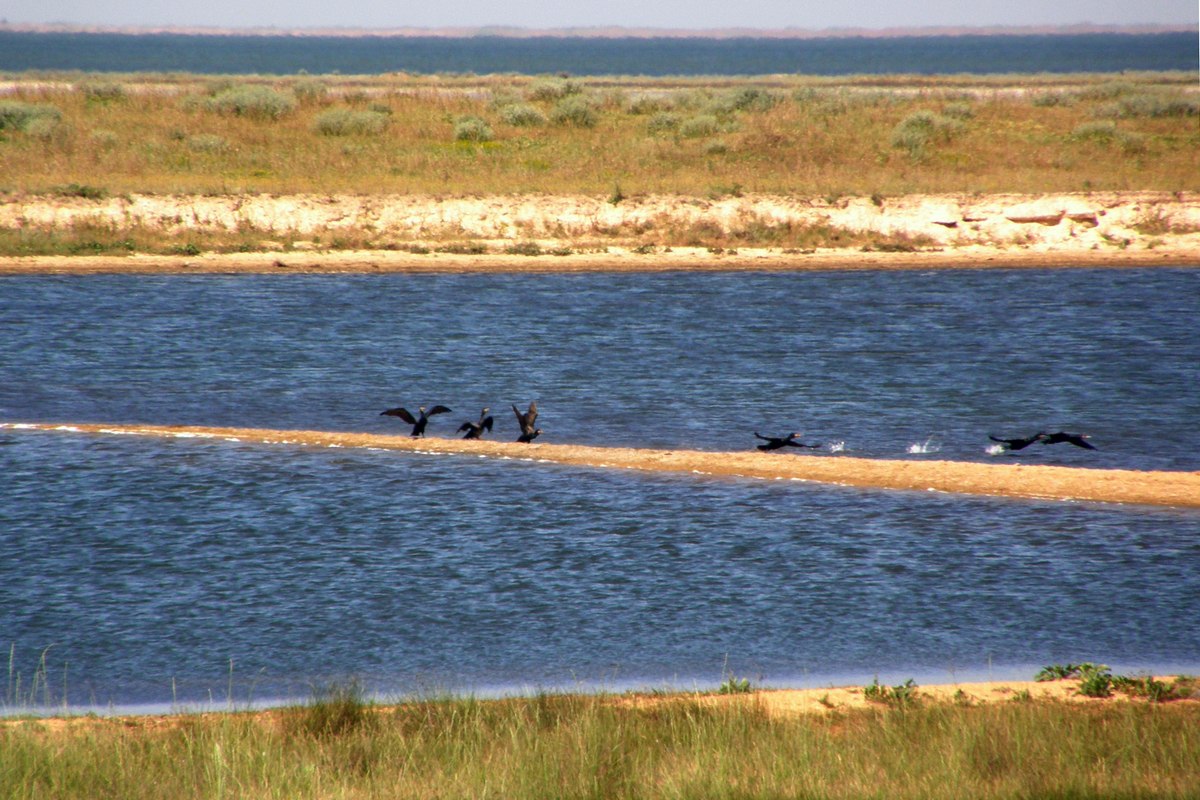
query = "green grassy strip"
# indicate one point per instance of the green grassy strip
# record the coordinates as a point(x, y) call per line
point(589, 746)
point(461, 135)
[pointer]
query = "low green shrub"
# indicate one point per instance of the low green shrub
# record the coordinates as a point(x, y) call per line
point(463, 248)
point(350, 122)
point(1152, 104)
point(553, 89)
point(735, 685)
point(472, 129)
point(575, 112)
point(261, 102)
point(1100, 131)
point(1051, 99)
point(1095, 680)
point(310, 90)
point(1057, 672)
point(648, 104)
point(699, 126)
point(19, 116)
point(958, 111)
point(102, 91)
point(663, 122)
point(81, 190)
point(903, 694)
point(750, 99)
point(522, 115)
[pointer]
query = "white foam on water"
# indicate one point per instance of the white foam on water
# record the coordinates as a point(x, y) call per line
point(121, 432)
point(193, 435)
point(837, 447)
point(930, 445)
point(67, 428)
point(995, 449)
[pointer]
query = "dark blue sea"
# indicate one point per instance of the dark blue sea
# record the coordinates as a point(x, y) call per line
point(973, 54)
point(151, 573)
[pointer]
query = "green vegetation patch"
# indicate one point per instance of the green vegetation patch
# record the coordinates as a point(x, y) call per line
point(350, 122)
point(18, 116)
point(260, 102)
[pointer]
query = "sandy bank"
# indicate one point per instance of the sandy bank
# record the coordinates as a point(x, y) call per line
point(785, 702)
point(649, 233)
point(1006, 480)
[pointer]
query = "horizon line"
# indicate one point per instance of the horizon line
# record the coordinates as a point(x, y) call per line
point(598, 31)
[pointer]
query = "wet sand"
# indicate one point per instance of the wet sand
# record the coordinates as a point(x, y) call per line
point(958, 477)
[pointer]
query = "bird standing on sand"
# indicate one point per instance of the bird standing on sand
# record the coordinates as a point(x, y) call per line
point(475, 429)
point(1077, 439)
point(526, 421)
point(1019, 443)
point(777, 442)
point(418, 422)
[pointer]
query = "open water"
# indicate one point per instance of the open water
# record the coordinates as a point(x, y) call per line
point(155, 572)
point(925, 55)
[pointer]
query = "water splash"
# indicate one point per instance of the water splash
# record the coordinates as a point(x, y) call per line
point(995, 449)
point(837, 447)
point(930, 445)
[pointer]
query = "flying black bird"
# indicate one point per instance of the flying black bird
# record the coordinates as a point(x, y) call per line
point(1019, 443)
point(1077, 439)
point(475, 429)
point(777, 442)
point(420, 421)
point(526, 421)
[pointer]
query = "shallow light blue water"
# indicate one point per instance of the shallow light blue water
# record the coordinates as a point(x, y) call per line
point(161, 571)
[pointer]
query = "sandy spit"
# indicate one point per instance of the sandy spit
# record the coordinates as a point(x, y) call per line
point(1004, 480)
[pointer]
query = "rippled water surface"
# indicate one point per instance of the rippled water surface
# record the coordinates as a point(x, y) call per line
point(160, 571)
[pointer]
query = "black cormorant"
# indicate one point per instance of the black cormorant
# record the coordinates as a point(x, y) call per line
point(420, 421)
point(526, 421)
point(475, 429)
point(777, 442)
point(1020, 443)
point(1077, 439)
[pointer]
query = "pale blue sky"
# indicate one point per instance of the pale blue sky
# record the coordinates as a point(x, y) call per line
point(809, 14)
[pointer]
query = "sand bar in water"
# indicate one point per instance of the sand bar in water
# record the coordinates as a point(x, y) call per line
point(1007, 480)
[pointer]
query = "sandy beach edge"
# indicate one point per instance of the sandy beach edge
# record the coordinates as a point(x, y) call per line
point(775, 702)
point(1033, 481)
point(616, 259)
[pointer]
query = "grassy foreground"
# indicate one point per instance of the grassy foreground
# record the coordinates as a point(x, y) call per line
point(597, 746)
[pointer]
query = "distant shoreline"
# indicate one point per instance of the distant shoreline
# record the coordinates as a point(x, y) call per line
point(600, 32)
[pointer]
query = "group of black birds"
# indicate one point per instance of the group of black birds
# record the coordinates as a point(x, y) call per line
point(473, 429)
point(529, 431)
point(1019, 443)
